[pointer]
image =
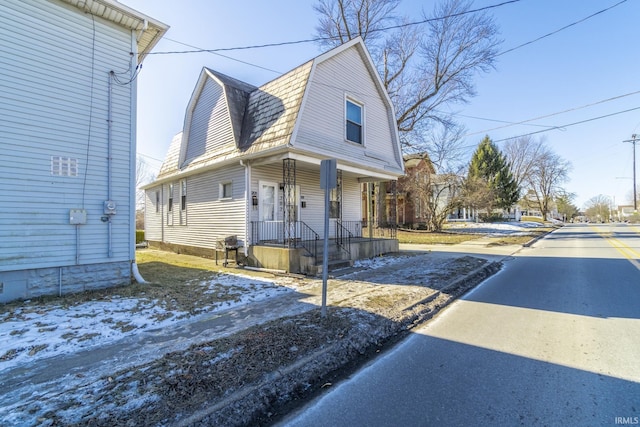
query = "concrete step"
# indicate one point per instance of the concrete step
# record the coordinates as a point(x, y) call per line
point(334, 265)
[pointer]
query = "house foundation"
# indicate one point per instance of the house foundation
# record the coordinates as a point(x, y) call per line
point(24, 284)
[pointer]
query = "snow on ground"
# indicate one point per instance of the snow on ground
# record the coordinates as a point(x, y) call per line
point(35, 332)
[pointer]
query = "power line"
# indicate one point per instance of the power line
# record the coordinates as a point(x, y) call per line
point(570, 124)
point(560, 29)
point(317, 39)
point(225, 56)
point(552, 114)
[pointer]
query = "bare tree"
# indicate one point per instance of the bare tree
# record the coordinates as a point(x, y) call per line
point(423, 67)
point(598, 208)
point(522, 154)
point(143, 176)
point(444, 197)
point(545, 179)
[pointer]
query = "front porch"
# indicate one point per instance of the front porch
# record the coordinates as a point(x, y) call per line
point(297, 248)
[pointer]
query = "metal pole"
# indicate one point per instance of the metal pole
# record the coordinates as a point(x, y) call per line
point(635, 194)
point(325, 254)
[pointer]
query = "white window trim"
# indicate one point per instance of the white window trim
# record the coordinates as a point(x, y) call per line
point(183, 209)
point(221, 190)
point(360, 104)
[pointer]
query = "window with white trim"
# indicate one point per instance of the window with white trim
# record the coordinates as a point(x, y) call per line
point(183, 202)
point(170, 206)
point(226, 190)
point(354, 121)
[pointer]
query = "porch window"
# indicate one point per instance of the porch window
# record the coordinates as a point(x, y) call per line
point(354, 122)
point(226, 190)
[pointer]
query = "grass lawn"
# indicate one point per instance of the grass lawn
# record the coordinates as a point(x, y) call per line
point(432, 238)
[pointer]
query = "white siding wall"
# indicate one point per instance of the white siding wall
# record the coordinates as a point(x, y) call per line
point(207, 217)
point(54, 100)
point(210, 112)
point(309, 182)
point(322, 126)
point(153, 214)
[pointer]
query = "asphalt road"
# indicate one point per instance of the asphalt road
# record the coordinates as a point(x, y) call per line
point(552, 339)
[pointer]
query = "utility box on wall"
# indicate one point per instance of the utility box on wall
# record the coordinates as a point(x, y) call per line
point(77, 216)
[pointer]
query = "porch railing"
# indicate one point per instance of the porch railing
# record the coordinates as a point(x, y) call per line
point(385, 231)
point(343, 237)
point(273, 233)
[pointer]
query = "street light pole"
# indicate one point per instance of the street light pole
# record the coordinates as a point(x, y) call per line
point(635, 194)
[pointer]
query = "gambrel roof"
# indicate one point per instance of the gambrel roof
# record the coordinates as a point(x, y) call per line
point(251, 121)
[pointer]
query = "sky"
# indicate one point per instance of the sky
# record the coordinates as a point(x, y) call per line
point(580, 69)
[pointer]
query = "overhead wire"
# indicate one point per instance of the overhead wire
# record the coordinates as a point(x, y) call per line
point(318, 39)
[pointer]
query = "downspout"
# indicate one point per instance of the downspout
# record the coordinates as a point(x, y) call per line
point(247, 206)
point(109, 160)
point(133, 97)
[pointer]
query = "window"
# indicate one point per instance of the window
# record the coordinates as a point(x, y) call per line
point(157, 201)
point(183, 202)
point(226, 190)
point(354, 122)
point(170, 208)
point(64, 166)
point(183, 195)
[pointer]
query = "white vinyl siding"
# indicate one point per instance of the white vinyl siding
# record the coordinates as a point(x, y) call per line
point(153, 214)
point(322, 125)
point(210, 112)
point(308, 178)
point(54, 100)
point(210, 218)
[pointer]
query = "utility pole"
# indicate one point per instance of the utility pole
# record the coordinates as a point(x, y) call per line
point(635, 194)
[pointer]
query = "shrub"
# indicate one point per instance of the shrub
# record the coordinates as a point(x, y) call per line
point(139, 236)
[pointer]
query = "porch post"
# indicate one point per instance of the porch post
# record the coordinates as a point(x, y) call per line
point(289, 205)
point(369, 211)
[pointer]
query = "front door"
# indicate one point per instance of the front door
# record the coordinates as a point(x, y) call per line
point(268, 210)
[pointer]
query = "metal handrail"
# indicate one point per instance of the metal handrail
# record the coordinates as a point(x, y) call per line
point(343, 237)
point(309, 239)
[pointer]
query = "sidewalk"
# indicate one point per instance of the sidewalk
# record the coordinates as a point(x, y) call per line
point(412, 287)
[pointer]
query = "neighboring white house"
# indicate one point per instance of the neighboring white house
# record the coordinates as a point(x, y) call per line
point(67, 131)
point(247, 162)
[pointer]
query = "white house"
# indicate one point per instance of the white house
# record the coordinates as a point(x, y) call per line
point(67, 131)
point(247, 163)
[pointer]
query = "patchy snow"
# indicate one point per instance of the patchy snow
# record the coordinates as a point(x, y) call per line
point(35, 332)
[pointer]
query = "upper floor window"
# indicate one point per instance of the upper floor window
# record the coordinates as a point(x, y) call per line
point(354, 122)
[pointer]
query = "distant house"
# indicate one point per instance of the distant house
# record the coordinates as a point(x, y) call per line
point(68, 126)
point(414, 190)
point(247, 163)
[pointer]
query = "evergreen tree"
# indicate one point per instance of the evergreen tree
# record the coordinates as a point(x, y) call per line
point(490, 169)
